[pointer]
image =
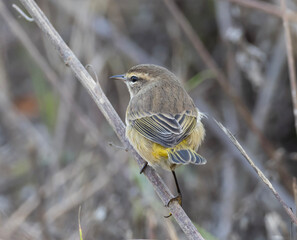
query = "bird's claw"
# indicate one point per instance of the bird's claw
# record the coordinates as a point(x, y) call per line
point(178, 198)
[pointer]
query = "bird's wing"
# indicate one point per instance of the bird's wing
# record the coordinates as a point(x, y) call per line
point(164, 129)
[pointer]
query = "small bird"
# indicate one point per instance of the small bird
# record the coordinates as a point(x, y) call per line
point(163, 123)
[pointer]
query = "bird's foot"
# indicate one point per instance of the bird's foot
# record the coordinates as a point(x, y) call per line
point(178, 198)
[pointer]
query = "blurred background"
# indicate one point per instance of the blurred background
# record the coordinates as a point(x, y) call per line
point(57, 151)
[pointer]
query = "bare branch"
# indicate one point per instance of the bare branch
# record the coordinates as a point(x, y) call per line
point(110, 114)
point(24, 15)
point(259, 172)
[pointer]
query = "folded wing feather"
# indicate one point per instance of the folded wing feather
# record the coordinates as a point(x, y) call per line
point(164, 129)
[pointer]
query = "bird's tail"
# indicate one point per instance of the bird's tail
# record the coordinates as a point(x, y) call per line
point(185, 156)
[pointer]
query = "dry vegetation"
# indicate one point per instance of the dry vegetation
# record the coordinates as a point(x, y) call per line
point(57, 152)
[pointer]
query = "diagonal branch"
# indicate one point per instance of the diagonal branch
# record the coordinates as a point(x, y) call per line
point(259, 172)
point(110, 114)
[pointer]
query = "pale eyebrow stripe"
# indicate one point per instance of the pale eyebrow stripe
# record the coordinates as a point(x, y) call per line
point(138, 74)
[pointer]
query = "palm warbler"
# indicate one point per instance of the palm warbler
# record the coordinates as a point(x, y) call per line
point(163, 123)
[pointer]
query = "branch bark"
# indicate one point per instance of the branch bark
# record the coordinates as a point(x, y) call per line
point(264, 179)
point(110, 114)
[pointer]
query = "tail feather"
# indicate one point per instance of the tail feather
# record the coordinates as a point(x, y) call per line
point(185, 156)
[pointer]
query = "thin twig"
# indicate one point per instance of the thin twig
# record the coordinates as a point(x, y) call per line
point(108, 111)
point(220, 76)
point(24, 15)
point(213, 129)
point(291, 62)
point(259, 172)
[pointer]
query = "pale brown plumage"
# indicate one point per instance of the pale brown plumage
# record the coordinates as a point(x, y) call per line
point(163, 123)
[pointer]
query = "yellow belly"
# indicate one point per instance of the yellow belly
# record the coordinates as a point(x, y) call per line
point(155, 154)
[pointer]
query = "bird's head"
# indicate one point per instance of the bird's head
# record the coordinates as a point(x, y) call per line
point(141, 76)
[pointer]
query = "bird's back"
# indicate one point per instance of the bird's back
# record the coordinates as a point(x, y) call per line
point(168, 100)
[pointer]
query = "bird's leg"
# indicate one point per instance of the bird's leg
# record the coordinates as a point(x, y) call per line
point(179, 195)
point(143, 167)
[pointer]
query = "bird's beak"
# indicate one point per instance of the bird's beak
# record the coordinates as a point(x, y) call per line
point(119, 77)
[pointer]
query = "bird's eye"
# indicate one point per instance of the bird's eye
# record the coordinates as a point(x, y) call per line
point(134, 79)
